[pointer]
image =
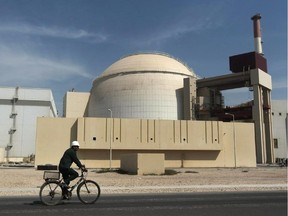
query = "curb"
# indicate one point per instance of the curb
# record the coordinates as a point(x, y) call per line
point(167, 188)
point(284, 186)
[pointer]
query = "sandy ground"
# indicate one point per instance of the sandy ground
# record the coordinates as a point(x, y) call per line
point(27, 181)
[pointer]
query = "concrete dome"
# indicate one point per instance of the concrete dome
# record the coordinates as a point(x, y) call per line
point(144, 85)
point(147, 62)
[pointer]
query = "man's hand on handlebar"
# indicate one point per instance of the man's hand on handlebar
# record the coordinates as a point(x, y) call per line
point(84, 169)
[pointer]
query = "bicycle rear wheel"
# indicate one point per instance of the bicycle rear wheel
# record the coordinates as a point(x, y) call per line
point(50, 193)
point(88, 192)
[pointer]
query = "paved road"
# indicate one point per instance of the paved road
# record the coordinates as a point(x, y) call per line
point(200, 204)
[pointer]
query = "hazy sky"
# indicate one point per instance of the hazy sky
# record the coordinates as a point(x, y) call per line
point(65, 44)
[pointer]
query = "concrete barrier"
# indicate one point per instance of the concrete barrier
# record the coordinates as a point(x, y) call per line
point(143, 163)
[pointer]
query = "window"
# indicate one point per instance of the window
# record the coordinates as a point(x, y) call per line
point(276, 143)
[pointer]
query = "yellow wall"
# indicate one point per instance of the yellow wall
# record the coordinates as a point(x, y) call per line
point(149, 134)
point(184, 143)
point(143, 164)
point(53, 137)
point(244, 134)
point(75, 104)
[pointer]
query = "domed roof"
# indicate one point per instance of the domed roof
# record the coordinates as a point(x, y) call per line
point(145, 85)
point(150, 62)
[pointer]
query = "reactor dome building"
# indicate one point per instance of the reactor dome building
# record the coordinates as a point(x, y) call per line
point(144, 85)
point(149, 103)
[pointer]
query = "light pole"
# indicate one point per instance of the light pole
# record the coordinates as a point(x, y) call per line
point(110, 150)
point(234, 137)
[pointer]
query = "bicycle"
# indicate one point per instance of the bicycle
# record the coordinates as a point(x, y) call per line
point(52, 190)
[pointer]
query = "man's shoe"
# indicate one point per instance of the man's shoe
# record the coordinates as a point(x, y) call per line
point(64, 185)
point(65, 197)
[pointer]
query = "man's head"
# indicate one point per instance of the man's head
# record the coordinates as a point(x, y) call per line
point(75, 145)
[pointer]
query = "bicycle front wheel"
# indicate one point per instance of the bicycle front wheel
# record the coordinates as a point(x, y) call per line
point(88, 192)
point(50, 193)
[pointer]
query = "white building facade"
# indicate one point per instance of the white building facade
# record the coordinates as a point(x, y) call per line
point(19, 109)
point(280, 122)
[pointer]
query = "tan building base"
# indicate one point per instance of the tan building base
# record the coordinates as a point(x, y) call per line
point(184, 143)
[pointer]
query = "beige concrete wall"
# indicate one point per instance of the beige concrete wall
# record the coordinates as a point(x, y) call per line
point(245, 151)
point(149, 134)
point(75, 104)
point(129, 163)
point(184, 143)
point(53, 137)
point(151, 164)
point(143, 163)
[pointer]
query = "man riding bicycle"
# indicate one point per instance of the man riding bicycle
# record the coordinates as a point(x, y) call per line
point(66, 161)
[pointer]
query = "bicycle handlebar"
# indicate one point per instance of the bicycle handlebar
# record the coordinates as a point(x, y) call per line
point(84, 173)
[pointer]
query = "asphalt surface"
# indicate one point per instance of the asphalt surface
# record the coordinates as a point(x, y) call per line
point(200, 204)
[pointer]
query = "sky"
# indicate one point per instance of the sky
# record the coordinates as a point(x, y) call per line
point(66, 44)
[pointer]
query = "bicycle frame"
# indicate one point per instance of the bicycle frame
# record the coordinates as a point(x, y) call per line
point(82, 178)
point(88, 191)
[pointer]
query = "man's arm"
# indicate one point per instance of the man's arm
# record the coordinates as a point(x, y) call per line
point(76, 160)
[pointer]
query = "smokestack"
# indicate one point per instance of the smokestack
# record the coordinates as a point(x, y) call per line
point(257, 33)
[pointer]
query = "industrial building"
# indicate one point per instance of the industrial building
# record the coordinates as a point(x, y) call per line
point(153, 104)
point(133, 86)
point(137, 106)
point(20, 108)
point(280, 123)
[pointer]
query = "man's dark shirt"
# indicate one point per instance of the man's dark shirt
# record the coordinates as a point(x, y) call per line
point(68, 158)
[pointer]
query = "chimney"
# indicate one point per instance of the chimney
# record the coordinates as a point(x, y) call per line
point(257, 33)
